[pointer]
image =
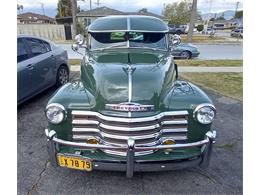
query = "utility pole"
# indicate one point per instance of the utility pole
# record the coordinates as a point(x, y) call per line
point(237, 4)
point(97, 3)
point(43, 11)
point(74, 11)
point(90, 4)
point(193, 18)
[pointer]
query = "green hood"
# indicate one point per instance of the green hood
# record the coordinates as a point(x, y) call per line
point(106, 78)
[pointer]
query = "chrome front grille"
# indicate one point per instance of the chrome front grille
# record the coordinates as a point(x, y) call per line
point(146, 131)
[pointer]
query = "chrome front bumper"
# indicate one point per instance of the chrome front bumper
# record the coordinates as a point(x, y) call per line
point(130, 166)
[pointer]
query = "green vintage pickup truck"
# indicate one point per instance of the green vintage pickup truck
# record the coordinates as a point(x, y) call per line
point(129, 111)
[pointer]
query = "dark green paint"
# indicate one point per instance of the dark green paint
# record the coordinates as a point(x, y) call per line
point(103, 80)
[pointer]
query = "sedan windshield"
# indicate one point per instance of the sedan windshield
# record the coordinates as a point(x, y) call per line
point(127, 39)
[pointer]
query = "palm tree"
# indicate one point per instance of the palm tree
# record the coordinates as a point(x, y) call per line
point(19, 7)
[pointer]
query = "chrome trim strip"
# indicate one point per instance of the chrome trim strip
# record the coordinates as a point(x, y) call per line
point(137, 148)
point(94, 130)
point(119, 153)
point(128, 120)
point(130, 158)
point(84, 122)
point(175, 122)
point(132, 30)
point(122, 137)
point(117, 128)
point(85, 130)
point(177, 130)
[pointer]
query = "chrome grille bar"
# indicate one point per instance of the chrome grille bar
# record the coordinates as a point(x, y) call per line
point(111, 131)
point(128, 120)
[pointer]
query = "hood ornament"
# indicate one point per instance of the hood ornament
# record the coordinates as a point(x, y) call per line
point(130, 107)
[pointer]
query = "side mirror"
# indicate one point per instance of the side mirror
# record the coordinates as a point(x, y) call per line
point(75, 47)
point(79, 39)
point(175, 39)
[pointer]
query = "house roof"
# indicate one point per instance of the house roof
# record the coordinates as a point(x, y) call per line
point(145, 14)
point(106, 11)
point(126, 23)
point(29, 16)
point(100, 11)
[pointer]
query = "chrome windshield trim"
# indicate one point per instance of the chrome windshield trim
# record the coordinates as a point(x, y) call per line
point(129, 120)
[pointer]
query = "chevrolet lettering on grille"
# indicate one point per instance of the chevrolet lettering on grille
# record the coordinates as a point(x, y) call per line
point(130, 107)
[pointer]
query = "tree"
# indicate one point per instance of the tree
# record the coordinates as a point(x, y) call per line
point(64, 8)
point(239, 14)
point(143, 10)
point(178, 12)
point(200, 27)
point(212, 19)
point(220, 18)
point(19, 7)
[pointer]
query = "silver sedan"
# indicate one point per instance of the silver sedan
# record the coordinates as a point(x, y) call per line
point(40, 65)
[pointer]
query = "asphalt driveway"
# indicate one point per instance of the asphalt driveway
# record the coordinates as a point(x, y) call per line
point(37, 176)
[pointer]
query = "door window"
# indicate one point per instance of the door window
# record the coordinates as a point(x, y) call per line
point(36, 46)
point(21, 51)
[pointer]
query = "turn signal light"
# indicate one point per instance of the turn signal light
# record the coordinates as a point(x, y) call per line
point(92, 141)
point(168, 142)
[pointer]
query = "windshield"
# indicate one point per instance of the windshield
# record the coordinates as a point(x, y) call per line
point(120, 39)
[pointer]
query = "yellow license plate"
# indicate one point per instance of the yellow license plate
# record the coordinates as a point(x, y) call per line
point(75, 162)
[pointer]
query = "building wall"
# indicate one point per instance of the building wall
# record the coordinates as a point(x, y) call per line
point(54, 32)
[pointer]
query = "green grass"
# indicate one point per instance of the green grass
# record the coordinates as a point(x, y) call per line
point(74, 62)
point(202, 39)
point(227, 84)
point(209, 63)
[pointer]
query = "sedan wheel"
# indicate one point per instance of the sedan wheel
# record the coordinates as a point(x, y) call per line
point(186, 55)
point(62, 76)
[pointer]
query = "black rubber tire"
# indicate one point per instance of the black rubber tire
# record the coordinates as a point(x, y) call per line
point(187, 54)
point(178, 32)
point(62, 76)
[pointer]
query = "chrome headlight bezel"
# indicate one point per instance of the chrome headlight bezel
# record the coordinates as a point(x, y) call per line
point(59, 108)
point(198, 109)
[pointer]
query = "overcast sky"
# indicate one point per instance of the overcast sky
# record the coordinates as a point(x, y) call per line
point(205, 6)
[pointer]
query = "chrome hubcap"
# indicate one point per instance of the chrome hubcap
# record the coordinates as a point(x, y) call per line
point(63, 76)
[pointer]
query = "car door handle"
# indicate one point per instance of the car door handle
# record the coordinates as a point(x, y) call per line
point(30, 66)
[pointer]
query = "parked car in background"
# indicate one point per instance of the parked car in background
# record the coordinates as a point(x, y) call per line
point(40, 64)
point(238, 33)
point(208, 31)
point(128, 111)
point(219, 26)
point(185, 51)
point(177, 29)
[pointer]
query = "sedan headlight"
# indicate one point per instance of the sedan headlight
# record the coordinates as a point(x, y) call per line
point(55, 113)
point(205, 113)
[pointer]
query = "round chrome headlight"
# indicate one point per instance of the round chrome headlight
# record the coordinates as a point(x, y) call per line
point(205, 113)
point(55, 113)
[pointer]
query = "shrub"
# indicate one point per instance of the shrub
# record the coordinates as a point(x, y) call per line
point(200, 27)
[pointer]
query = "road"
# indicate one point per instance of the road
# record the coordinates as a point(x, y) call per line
point(207, 51)
point(220, 51)
point(37, 176)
